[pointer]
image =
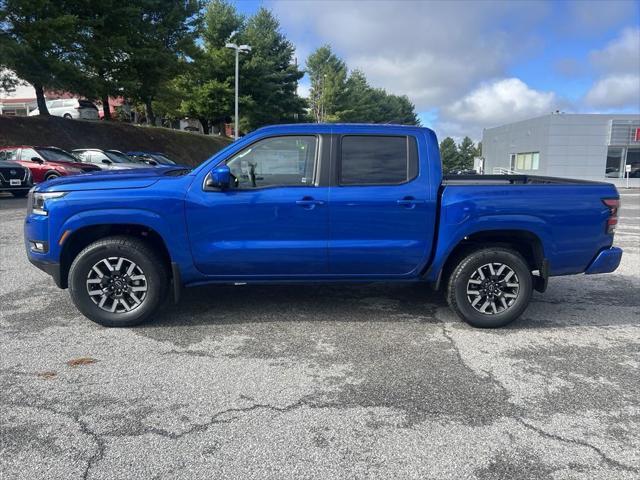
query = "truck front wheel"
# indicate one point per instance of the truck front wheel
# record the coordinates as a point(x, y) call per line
point(490, 288)
point(118, 281)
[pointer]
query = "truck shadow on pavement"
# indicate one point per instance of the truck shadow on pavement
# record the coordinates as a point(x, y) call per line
point(222, 304)
point(409, 303)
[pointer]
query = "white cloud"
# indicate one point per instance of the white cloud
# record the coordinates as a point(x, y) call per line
point(595, 16)
point(619, 65)
point(615, 91)
point(434, 52)
point(622, 55)
point(502, 100)
point(453, 58)
point(495, 103)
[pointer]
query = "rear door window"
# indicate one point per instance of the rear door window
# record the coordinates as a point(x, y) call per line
point(377, 160)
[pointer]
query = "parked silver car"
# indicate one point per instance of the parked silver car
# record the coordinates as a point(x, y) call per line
point(107, 159)
point(71, 108)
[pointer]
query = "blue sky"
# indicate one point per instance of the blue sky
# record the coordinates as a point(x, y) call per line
point(467, 65)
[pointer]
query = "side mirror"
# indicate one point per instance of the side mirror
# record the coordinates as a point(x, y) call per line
point(107, 162)
point(220, 178)
point(36, 159)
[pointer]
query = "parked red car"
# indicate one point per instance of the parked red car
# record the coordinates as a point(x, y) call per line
point(45, 163)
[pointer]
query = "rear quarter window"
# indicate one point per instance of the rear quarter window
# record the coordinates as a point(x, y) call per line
point(377, 160)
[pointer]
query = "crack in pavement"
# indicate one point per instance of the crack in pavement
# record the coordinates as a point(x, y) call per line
point(603, 457)
point(608, 460)
point(84, 428)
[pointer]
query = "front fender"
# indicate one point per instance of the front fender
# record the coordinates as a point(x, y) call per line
point(175, 239)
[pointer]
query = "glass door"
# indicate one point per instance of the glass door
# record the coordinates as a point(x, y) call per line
point(615, 163)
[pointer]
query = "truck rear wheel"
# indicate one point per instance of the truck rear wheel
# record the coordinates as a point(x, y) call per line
point(490, 288)
point(118, 281)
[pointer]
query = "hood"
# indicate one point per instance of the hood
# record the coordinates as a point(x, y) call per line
point(87, 167)
point(106, 180)
point(127, 166)
point(6, 164)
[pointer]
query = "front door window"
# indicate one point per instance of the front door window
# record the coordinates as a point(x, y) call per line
point(277, 161)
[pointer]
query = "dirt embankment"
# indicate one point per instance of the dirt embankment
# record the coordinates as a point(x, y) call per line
point(183, 147)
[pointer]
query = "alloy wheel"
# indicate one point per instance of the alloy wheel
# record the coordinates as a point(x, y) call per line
point(117, 285)
point(493, 288)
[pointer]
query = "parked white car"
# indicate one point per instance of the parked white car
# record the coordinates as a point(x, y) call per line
point(107, 159)
point(71, 108)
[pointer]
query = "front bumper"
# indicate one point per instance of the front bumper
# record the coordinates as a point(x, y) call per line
point(606, 261)
point(52, 269)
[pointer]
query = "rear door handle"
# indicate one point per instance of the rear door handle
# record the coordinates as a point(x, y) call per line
point(309, 203)
point(410, 202)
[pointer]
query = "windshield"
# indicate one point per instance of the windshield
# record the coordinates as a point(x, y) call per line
point(118, 157)
point(55, 155)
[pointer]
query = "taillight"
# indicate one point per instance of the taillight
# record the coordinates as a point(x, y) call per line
point(613, 204)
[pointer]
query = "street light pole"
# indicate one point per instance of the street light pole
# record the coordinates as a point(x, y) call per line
point(238, 50)
point(235, 128)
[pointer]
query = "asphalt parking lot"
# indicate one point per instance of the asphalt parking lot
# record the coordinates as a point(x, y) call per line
point(371, 381)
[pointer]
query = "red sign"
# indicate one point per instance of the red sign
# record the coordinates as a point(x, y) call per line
point(637, 137)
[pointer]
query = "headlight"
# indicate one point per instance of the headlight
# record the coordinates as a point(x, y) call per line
point(37, 205)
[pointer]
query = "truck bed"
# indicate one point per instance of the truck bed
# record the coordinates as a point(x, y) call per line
point(512, 180)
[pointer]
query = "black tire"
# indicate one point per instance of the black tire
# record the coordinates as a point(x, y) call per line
point(67, 116)
point(51, 176)
point(20, 194)
point(138, 252)
point(459, 299)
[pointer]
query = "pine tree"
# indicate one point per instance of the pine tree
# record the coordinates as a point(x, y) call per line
point(449, 155)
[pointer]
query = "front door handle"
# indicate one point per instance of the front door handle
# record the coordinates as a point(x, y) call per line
point(309, 202)
point(410, 202)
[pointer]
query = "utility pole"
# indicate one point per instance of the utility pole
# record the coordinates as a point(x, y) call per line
point(238, 49)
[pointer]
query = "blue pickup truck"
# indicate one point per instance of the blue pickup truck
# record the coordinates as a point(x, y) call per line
point(318, 203)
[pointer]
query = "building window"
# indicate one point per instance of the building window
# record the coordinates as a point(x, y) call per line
point(614, 168)
point(633, 159)
point(525, 161)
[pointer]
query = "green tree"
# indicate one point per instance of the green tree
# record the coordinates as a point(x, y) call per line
point(105, 38)
point(269, 75)
point(8, 81)
point(161, 37)
point(449, 155)
point(467, 152)
point(38, 42)
point(359, 104)
point(328, 76)
point(204, 87)
point(335, 96)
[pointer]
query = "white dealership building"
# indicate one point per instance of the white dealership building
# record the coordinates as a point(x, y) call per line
point(586, 146)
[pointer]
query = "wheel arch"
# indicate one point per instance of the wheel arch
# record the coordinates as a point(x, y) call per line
point(52, 172)
point(77, 240)
point(525, 242)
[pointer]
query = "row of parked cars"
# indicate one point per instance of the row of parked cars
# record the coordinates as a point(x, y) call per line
point(23, 166)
